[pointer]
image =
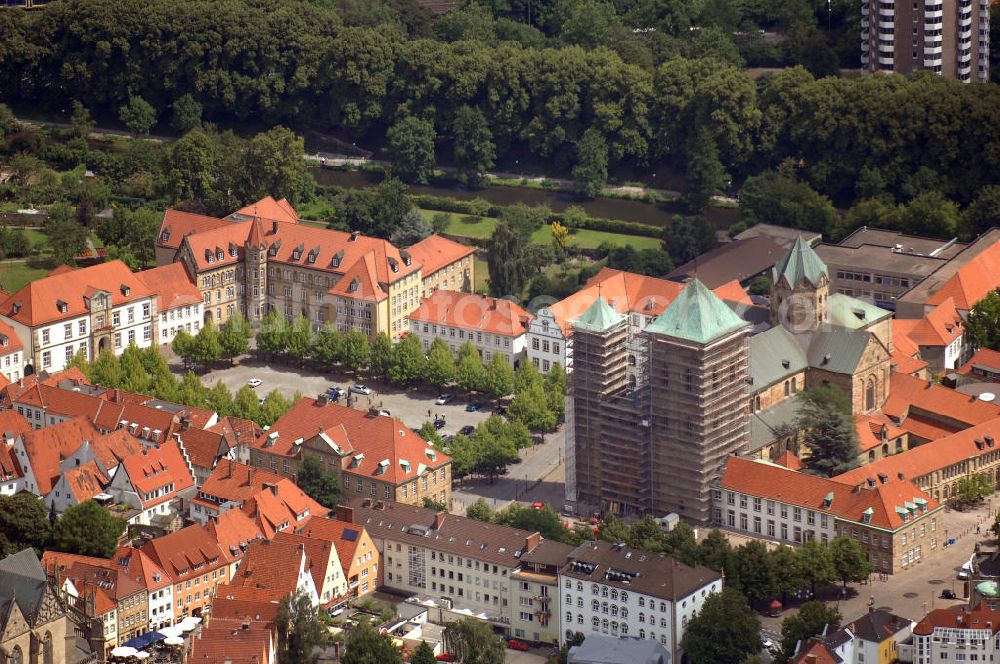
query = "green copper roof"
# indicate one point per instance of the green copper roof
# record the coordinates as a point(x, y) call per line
point(800, 264)
point(847, 311)
point(696, 315)
point(599, 317)
point(988, 588)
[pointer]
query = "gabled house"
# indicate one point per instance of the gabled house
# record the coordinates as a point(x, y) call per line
point(324, 565)
point(150, 481)
point(273, 570)
point(195, 564)
point(359, 558)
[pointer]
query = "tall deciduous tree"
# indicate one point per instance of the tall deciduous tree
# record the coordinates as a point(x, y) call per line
point(473, 641)
point(272, 335)
point(810, 620)
point(273, 164)
point(753, 570)
point(829, 431)
point(138, 116)
point(440, 367)
point(413, 228)
point(474, 150)
point(299, 629)
point(320, 485)
point(725, 631)
point(357, 353)
point(507, 261)
point(591, 171)
point(411, 148)
point(207, 347)
point(186, 113)
point(469, 372)
point(234, 337)
point(706, 176)
point(328, 346)
point(983, 324)
point(89, 530)
point(499, 377)
point(299, 337)
point(816, 564)
point(23, 523)
point(67, 238)
point(849, 560)
point(381, 356)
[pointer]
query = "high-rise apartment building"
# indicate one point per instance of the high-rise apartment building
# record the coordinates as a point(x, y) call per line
point(948, 37)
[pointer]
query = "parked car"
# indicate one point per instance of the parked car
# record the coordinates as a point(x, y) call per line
point(443, 399)
point(473, 407)
point(439, 423)
point(255, 382)
point(948, 593)
point(517, 644)
point(445, 657)
point(334, 392)
point(260, 401)
point(467, 430)
point(358, 388)
point(537, 505)
point(385, 413)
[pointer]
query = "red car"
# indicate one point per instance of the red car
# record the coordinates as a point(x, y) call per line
point(445, 657)
point(517, 644)
point(538, 506)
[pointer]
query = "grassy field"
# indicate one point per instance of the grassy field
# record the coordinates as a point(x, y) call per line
point(482, 276)
point(482, 228)
point(36, 237)
point(13, 276)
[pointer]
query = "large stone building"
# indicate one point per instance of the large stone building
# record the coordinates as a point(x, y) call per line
point(652, 415)
point(253, 264)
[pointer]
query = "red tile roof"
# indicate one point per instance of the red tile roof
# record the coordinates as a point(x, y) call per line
point(177, 224)
point(774, 482)
point(172, 285)
point(223, 643)
point(789, 461)
point(204, 448)
point(360, 282)
point(269, 567)
point(263, 613)
point(435, 252)
point(85, 481)
point(238, 482)
point(275, 512)
point(153, 469)
point(13, 424)
point(871, 427)
point(472, 312)
point(345, 536)
point(270, 210)
point(925, 459)
point(92, 571)
point(9, 341)
point(814, 651)
point(139, 565)
point(939, 327)
point(984, 357)
point(9, 467)
point(373, 446)
point(38, 302)
point(186, 552)
point(908, 394)
point(46, 448)
point(318, 551)
point(972, 282)
point(959, 617)
point(237, 430)
point(234, 530)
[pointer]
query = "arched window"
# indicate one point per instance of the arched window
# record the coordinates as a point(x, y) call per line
point(624, 596)
point(569, 616)
point(870, 395)
point(614, 594)
point(16, 656)
point(595, 622)
point(788, 388)
point(595, 605)
point(604, 624)
point(642, 633)
point(795, 385)
point(614, 610)
point(624, 628)
point(624, 613)
point(885, 449)
point(47, 648)
point(871, 455)
point(604, 591)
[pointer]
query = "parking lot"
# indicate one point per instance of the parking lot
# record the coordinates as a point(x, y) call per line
point(413, 406)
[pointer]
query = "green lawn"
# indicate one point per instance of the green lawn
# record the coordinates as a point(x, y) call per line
point(13, 276)
point(36, 237)
point(482, 276)
point(482, 228)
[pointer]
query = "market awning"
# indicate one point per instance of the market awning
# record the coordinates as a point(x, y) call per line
point(144, 640)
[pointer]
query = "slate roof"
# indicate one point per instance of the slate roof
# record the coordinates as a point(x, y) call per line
point(601, 649)
point(850, 312)
point(22, 580)
point(800, 265)
point(770, 351)
point(697, 315)
point(765, 425)
point(838, 349)
point(599, 317)
point(877, 626)
point(739, 260)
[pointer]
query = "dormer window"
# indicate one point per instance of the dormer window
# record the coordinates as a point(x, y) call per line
point(62, 306)
point(297, 253)
point(218, 254)
point(165, 235)
point(16, 307)
point(273, 249)
point(125, 290)
point(354, 285)
point(406, 257)
point(4, 340)
point(232, 250)
point(209, 256)
point(394, 265)
point(337, 258)
point(313, 255)
point(866, 517)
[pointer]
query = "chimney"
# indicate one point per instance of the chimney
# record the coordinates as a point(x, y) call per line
point(321, 400)
point(439, 520)
point(354, 236)
point(531, 541)
point(272, 487)
point(274, 228)
point(345, 513)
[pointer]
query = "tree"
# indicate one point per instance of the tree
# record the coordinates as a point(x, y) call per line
point(928, 214)
point(357, 353)
point(328, 346)
point(753, 570)
point(983, 324)
point(299, 337)
point(474, 149)
point(480, 511)
point(137, 115)
point(80, 120)
point(246, 404)
point(686, 238)
point(273, 164)
point(532, 408)
point(786, 573)
point(381, 353)
point(220, 399)
point(469, 372)
point(507, 261)
point(88, 529)
point(560, 236)
point(423, 654)
point(299, 629)
point(555, 389)
point(366, 646)
point(272, 334)
point(106, 369)
point(982, 214)
point(412, 229)
point(545, 521)
point(67, 238)
point(234, 337)
point(591, 171)
point(849, 560)
point(816, 564)
point(320, 485)
point(706, 176)
point(829, 432)
point(499, 377)
point(8, 122)
point(775, 198)
point(183, 345)
point(715, 551)
point(23, 523)
point(725, 631)
point(408, 363)
point(439, 369)
point(133, 374)
point(134, 231)
point(971, 490)
point(810, 620)
point(275, 405)
point(207, 347)
point(186, 114)
point(411, 148)
point(473, 641)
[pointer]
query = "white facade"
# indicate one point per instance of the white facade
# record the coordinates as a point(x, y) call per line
point(159, 503)
point(598, 608)
point(11, 364)
point(956, 644)
point(488, 344)
point(161, 606)
point(770, 519)
point(546, 344)
point(172, 321)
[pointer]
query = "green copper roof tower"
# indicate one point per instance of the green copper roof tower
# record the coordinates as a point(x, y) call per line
point(800, 264)
point(697, 315)
point(599, 317)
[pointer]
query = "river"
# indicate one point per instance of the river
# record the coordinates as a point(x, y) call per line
point(557, 201)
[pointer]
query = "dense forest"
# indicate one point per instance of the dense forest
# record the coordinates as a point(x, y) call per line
point(656, 81)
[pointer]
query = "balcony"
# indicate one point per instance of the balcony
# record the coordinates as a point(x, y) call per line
point(886, 25)
point(889, 62)
point(932, 50)
point(965, 71)
point(886, 11)
point(932, 64)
